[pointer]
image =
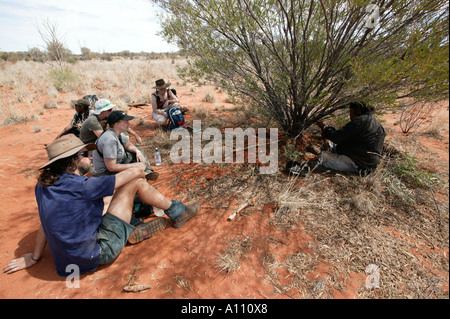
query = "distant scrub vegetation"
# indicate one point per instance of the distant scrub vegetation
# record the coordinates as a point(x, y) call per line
point(35, 54)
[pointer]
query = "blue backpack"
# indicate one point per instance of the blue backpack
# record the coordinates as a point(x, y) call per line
point(176, 118)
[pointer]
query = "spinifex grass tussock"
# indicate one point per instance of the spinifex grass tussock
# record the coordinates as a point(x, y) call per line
point(12, 116)
point(65, 80)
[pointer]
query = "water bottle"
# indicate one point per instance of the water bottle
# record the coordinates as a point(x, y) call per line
point(158, 211)
point(157, 157)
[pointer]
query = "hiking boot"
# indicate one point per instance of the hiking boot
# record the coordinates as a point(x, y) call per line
point(147, 230)
point(153, 176)
point(299, 171)
point(189, 212)
point(296, 168)
point(317, 167)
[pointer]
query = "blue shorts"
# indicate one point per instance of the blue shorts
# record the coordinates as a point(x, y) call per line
point(112, 236)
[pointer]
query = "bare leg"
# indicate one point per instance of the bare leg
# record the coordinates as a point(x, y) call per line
point(106, 202)
point(122, 202)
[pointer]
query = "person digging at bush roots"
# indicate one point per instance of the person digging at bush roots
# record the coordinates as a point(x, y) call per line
point(71, 211)
point(357, 146)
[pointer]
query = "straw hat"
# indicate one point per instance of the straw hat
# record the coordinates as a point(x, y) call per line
point(65, 146)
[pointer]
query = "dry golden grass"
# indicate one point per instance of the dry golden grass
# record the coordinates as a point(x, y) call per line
point(229, 260)
point(123, 81)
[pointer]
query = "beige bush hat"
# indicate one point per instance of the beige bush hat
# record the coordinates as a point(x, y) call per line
point(65, 146)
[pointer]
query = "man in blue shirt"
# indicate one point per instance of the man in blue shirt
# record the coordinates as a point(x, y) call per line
point(71, 210)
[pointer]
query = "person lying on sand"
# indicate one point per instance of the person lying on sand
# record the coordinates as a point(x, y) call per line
point(80, 234)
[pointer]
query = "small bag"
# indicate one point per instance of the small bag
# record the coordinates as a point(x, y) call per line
point(91, 99)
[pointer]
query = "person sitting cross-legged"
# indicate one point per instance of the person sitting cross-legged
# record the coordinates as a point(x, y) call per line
point(163, 100)
point(356, 147)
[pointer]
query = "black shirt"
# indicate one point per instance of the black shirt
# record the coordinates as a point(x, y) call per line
point(361, 139)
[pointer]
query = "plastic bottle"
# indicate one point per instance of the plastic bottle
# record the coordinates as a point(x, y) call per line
point(158, 211)
point(157, 157)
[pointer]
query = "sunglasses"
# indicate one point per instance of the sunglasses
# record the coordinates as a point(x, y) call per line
point(85, 154)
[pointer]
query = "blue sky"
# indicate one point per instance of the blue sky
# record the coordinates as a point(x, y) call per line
point(100, 25)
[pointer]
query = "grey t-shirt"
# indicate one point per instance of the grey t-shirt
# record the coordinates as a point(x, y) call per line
point(110, 146)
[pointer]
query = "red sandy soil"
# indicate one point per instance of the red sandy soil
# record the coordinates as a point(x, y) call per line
point(176, 263)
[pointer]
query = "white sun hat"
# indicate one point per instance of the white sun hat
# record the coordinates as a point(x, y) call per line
point(103, 105)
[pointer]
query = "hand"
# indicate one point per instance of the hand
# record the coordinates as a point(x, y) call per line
point(320, 124)
point(140, 165)
point(20, 263)
point(140, 157)
point(138, 139)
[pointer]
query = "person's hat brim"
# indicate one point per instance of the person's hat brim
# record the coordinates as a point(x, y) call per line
point(165, 86)
point(80, 102)
point(110, 106)
point(127, 118)
point(71, 152)
point(117, 116)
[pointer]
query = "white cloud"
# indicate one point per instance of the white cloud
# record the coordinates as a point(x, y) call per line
point(100, 25)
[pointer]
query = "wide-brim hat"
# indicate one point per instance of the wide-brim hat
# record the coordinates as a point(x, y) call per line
point(161, 84)
point(103, 105)
point(65, 146)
